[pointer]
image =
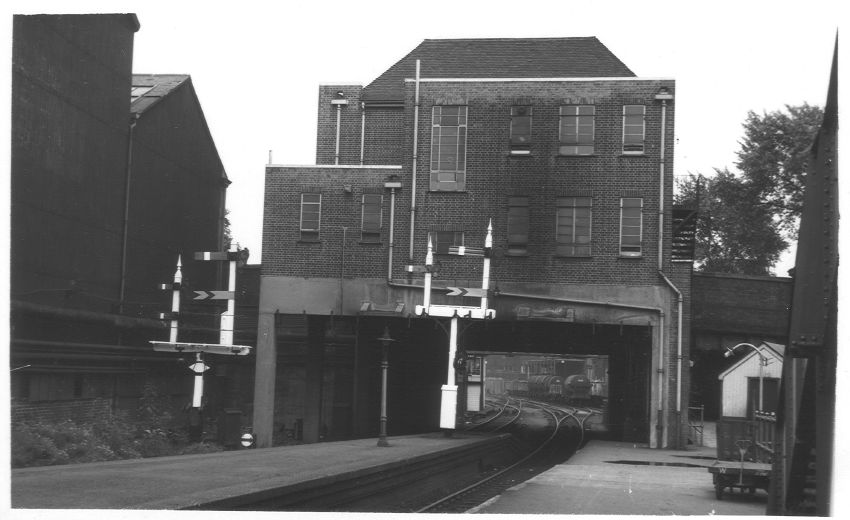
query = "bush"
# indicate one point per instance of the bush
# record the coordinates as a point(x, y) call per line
point(155, 432)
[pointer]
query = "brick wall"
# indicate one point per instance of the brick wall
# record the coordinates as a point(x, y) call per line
point(350, 124)
point(492, 174)
point(751, 305)
point(80, 410)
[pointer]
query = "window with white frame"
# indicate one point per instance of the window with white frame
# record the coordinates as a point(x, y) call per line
point(448, 148)
point(311, 216)
point(520, 130)
point(634, 129)
point(577, 129)
point(444, 239)
point(518, 224)
point(370, 221)
point(631, 226)
point(572, 227)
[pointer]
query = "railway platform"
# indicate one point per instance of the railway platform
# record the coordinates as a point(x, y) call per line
point(616, 478)
point(252, 478)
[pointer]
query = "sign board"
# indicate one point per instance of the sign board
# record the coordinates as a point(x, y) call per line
point(212, 348)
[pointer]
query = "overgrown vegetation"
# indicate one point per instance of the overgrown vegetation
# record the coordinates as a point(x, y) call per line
point(155, 432)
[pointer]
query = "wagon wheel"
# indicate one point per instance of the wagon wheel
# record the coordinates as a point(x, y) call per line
point(718, 489)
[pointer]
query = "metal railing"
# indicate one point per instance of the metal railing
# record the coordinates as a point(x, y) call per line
point(696, 423)
point(763, 434)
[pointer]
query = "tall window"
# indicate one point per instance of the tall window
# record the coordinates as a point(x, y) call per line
point(443, 240)
point(518, 225)
point(370, 221)
point(520, 130)
point(311, 215)
point(634, 128)
point(577, 127)
point(448, 148)
point(631, 226)
point(572, 231)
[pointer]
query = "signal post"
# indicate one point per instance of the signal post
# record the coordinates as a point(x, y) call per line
point(448, 403)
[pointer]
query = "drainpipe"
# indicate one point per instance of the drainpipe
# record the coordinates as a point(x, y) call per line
point(339, 103)
point(664, 95)
point(362, 129)
point(678, 343)
point(415, 156)
point(127, 176)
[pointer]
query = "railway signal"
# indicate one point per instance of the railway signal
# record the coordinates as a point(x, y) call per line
point(225, 345)
point(448, 403)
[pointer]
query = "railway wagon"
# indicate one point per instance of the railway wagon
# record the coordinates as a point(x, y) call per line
point(545, 386)
point(494, 385)
point(516, 387)
point(577, 389)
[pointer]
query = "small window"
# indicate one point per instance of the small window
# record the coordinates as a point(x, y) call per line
point(631, 226)
point(577, 129)
point(138, 91)
point(634, 129)
point(518, 223)
point(370, 225)
point(520, 130)
point(311, 213)
point(573, 226)
point(448, 148)
point(443, 240)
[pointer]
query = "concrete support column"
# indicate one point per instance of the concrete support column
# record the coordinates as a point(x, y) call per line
point(315, 374)
point(264, 379)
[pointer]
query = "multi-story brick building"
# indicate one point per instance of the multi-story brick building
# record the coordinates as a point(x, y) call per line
point(557, 144)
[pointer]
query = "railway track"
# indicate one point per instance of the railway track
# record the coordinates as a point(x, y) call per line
point(551, 434)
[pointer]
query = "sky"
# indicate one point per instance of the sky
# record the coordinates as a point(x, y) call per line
point(257, 69)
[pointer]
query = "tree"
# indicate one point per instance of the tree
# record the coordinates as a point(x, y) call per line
point(735, 233)
point(773, 159)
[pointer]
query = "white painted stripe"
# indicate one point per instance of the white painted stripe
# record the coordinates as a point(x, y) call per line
point(524, 80)
point(338, 166)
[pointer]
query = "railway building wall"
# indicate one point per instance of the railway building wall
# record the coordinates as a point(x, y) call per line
point(512, 168)
point(106, 191)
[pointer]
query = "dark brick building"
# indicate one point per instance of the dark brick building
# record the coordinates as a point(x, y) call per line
point(554, 141)
point(113, 176)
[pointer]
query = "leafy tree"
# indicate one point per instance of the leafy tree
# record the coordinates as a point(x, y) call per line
point(773, 159)
point(735, 234)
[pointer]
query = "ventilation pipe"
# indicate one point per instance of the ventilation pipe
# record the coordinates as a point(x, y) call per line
point(414, 164)
point(339, 102)
point(362, 129)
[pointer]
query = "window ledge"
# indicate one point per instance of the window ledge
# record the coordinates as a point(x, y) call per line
point(633, 155)
point(630, 257)
point(512, 154)
point(576, 257)
point(576, 155)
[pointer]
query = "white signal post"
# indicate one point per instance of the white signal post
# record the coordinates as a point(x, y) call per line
point(175, 298)
point(226, 337)
point(448, 403)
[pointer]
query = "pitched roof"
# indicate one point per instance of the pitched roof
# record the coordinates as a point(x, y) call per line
point(158, 86)
point(775, 349)
point(584, 57)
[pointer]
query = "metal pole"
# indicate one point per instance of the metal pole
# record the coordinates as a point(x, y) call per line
point(382, 437)
point(226, 334)
point(175, 299)
point(448, 408)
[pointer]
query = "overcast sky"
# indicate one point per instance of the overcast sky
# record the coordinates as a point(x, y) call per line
point(257, 69)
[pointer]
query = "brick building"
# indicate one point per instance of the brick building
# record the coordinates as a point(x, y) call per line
point(106, 190)
point(554, 141)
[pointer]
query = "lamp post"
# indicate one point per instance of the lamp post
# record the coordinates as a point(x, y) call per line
point(385, 341)
point(762, 364)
